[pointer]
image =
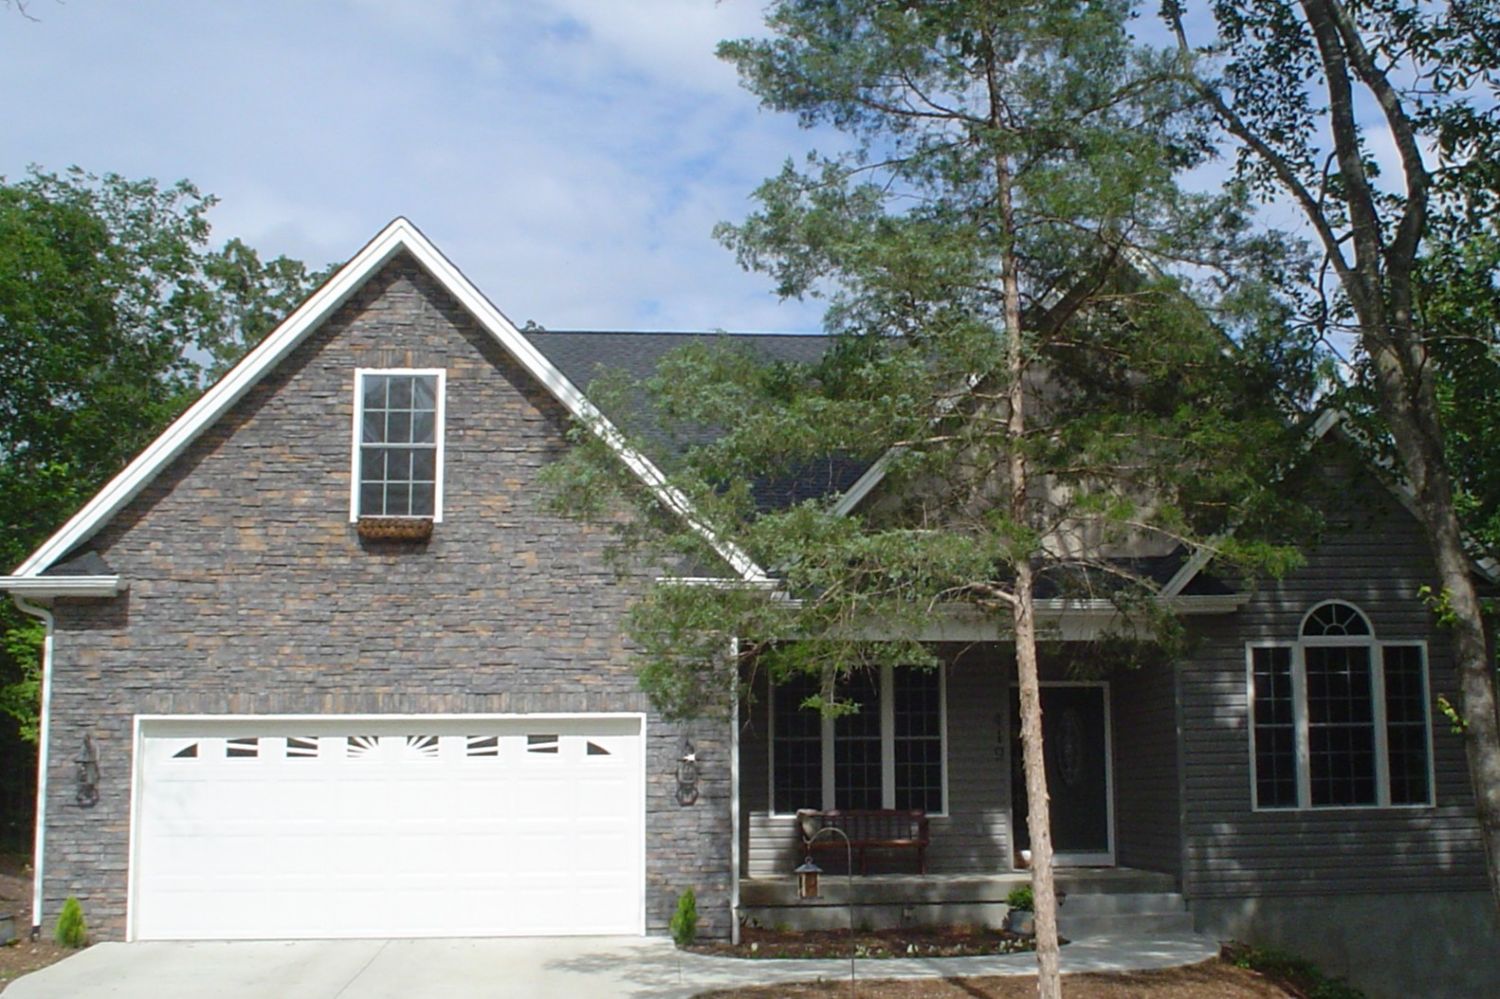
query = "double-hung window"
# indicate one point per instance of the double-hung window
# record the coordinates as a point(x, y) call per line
point(887, 754)
point(398, 444)
point(1339, 719)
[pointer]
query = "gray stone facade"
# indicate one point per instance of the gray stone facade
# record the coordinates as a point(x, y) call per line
point(250, 593)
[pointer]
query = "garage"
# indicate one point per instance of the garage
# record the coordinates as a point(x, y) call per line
point(274, 828)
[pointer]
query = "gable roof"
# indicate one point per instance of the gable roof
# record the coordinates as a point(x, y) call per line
point(397, 237)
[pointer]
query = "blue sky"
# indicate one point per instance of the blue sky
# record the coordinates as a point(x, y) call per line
point(571, 156)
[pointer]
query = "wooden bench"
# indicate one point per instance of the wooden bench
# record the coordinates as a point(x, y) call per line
point(867, 829)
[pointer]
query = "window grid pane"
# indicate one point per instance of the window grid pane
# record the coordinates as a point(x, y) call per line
point(1406, 724)
point(856, 744)
point(398, 455)
point(1275, 729)
point(918, 742)
point(1340, 725)
point(798, 751)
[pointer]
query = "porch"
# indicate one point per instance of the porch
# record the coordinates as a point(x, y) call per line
point(947, 742)
point(1096, 900)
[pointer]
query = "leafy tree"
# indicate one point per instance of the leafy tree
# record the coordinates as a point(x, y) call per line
point(996, 250)
point(113, 312)
point(1307, 90)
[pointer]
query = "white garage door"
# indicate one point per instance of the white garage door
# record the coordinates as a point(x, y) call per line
point(265, 829)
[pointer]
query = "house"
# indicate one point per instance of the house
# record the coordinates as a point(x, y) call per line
point(320, 662)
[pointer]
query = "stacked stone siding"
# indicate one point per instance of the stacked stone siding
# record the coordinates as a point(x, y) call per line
point(250, 593)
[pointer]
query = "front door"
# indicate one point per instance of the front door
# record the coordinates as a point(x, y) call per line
point(1075, 740)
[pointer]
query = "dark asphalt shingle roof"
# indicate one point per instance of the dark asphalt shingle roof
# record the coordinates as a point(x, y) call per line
point(583, 355)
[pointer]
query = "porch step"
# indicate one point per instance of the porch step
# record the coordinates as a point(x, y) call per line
point(1131, 914)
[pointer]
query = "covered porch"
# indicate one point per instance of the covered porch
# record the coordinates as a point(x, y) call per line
point(947, 742)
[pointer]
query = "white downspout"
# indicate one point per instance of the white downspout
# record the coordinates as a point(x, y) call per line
point(39, 843)
point(734, 794)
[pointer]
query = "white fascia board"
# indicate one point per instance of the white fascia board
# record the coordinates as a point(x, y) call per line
point(47, 587)
point(864, 485)
point(717, 582)
point(399, 235)
point(1326, 421)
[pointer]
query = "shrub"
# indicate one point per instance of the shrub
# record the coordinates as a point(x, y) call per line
point(71, 931)
point(1290, 971)
point(1020, 897)
point(684, 924)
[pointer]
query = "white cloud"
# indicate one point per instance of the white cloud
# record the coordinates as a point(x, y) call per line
point(570, 155)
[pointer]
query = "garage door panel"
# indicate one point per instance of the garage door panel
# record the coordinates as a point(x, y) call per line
point(349, 828)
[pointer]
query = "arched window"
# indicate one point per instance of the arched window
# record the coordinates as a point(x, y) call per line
point(1339, 719)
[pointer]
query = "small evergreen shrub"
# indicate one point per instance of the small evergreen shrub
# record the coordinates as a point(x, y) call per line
point(71, 931)
point(1020, 898)
point(684, 924)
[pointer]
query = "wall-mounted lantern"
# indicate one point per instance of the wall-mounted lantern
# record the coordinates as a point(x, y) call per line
point(687, 773)
point(87, 794)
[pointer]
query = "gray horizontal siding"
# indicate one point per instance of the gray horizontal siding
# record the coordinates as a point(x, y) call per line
point(1143, 710)
point(1377, 560)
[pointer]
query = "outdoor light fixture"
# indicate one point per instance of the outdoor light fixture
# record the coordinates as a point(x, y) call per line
point(807, 879)
point(687, 773)
point(87, 794)
point(807, 883)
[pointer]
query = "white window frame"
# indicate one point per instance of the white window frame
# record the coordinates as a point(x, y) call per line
point(1300, 727)
point(438, 430)
point(887, 746)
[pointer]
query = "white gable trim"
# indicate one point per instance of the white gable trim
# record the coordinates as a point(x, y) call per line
point(864, 485)
point(399, 235)
point(1326, 422)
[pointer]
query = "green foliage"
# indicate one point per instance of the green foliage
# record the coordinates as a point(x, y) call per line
point(684, 923)
point(71, 930)
point(1146, 428)
point(1298, 974)
point(110, 300)
point(22, 647)
point(1456, 723)
point(1021, 898)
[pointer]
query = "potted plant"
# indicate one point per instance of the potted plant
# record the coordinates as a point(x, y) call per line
point(1021, 919)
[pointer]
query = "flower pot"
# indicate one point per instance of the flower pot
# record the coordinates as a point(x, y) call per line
point(1021, 922)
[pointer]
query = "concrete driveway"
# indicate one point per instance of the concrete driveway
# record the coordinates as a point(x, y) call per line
point(568, 967)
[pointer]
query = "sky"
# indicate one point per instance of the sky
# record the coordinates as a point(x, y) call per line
point(570, 156)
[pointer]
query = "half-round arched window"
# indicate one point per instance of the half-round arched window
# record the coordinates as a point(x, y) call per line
point(1336, 618)
point(1338, 718)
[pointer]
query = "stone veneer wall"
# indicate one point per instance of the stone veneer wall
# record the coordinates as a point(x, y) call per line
point(250, 593)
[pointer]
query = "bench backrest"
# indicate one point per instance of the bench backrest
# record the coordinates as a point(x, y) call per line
point(867, 825)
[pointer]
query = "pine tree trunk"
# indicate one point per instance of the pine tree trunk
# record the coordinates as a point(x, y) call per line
point(1038, 817)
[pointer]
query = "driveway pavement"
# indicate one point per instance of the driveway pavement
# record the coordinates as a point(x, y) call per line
point(478, 969)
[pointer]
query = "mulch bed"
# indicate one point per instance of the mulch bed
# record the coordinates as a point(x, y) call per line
point(1209, 980)
point(919, 941)
point(21, 956)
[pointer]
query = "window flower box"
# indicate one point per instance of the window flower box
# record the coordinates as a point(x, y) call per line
point(394, 528)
